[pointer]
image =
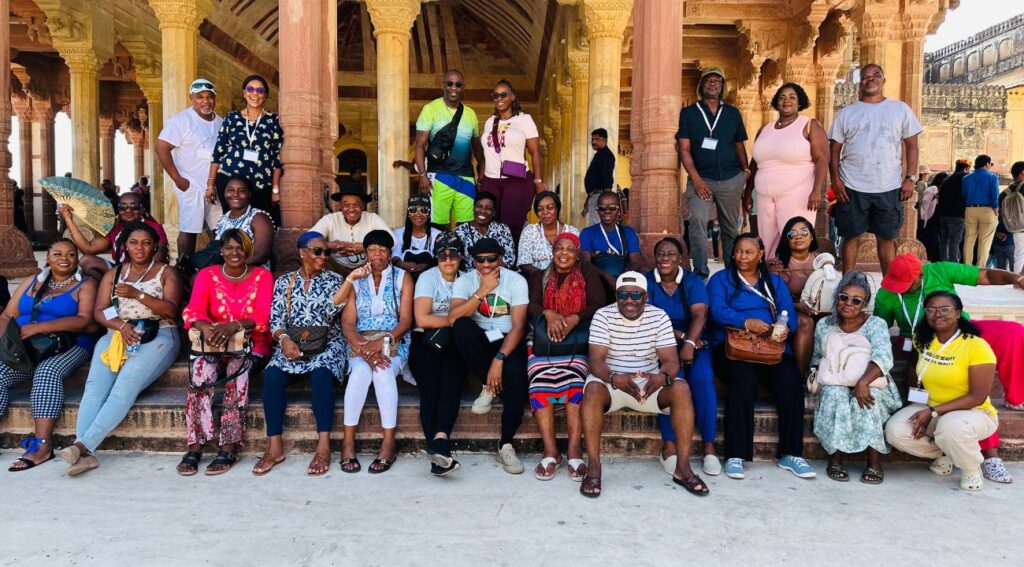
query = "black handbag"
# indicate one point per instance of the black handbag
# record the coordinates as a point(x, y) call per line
point(12, 348)
point(443, 142)
point(311, 339)
point(46, 345)
point(437, 339)
point(576, 343)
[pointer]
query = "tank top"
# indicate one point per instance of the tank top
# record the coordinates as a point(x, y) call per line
point(50, 308)
point(130, 308)
point(785, 148)
point(242, 223)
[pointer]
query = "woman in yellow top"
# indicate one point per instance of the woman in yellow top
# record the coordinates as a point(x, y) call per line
point(956, 368)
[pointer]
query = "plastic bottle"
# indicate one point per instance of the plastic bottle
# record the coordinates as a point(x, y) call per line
point(385, 348)
point(779, 328)
point(139, 330)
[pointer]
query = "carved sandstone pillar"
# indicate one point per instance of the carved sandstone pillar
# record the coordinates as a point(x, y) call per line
point(137, 137)
point(915, 26)
point(329, 92)
point(658, 50)
point(27, 181)
point(579, 69)
point(565, 178)
point(392, 21)
point(641, 16)
point(107, 129)
point(605, 21)
point(83, 69)
point(17, 259)
point(43, 165)
point(155, 119)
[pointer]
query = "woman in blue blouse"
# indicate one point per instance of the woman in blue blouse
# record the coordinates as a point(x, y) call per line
point(747, 296)
point(683, 296)
point(249, 146)
point(307, 297)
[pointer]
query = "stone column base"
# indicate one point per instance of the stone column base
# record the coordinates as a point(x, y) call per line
point(286, 253)
point(867, 257)
point(18, 260)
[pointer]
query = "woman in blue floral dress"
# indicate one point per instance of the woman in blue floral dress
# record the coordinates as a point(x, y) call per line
point(852, 419)
point(249, 146)
point(308, 298)
point(377, 326)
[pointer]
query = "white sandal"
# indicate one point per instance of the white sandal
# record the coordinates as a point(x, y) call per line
point(943, 466)
point(543, 466)
point(972, 482)
point(574, 467)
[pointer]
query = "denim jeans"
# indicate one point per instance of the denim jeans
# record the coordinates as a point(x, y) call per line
point(110, 395)
point(951, 235)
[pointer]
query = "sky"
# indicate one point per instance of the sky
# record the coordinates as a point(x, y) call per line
point(970, 18)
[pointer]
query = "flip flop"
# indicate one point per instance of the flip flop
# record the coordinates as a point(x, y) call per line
point(266, 464)
point(838, 473)
point(541, 470)
point(577, 470)
point(591, 487)
point(29, 463)
point(694, 485)
point(191, 459)
point(379, 466)
point(351, 466)
point(321, 460)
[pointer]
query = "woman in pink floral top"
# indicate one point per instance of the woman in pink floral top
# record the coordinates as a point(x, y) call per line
point(225, 299)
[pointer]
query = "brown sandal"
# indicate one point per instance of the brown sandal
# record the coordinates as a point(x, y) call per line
point(266, 463)
point(591, 486)
point(320, 464)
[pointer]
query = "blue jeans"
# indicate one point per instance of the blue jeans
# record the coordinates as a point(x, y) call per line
point(110, 395)
point(701, 380)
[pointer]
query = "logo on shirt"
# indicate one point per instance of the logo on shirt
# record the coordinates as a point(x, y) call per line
point(494, 306)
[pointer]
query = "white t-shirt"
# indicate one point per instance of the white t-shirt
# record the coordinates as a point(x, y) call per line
point(193, 139)
point(632, 345)
point(334, 227)
point(872, 135)
point(433, 285)
point(512, 291)
point(512, 135)
point(417, 244)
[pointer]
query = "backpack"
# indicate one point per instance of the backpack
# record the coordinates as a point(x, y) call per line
point(1013, 208)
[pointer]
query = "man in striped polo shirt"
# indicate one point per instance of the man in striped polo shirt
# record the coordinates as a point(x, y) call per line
point(633, 365)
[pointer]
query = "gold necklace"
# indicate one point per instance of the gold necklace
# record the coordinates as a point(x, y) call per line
point(780, 124)
point(224, 271)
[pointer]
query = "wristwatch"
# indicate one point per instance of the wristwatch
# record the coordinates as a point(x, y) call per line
point(500, 356)
point(935, 414)
point(142, 295)
point(911, 178)
point(275, 189)
point(668, 379)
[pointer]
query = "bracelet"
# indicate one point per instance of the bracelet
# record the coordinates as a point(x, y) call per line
point(121, 328)
point(478, 298)
point(691, 343)
point(611, 381)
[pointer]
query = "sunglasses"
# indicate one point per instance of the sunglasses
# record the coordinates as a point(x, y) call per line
point(634, 295)
point(486, 259)
point(851, 300)
point(608, 209)
point(933, 311)
point(499, 95)
point(318, 251)
point(204, 86)
point(420, 210)
point(131, 207)
point(257, 90)
point(797, 232)
point(444, 256)
point(456, 84)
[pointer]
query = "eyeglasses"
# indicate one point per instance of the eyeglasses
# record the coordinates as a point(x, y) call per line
point(608, 209)
point(444, 256)
point(500, 94)
point(129, 207)
point(850, 299)
point(421, 210)
point(634, 295)
point(797, 232)
point(933, 311)
point(456, 84)
point(486, 259)
point(257, 90)
point(318, 251)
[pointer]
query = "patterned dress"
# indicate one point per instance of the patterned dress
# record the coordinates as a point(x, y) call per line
point(232, 143)
point(534, 248)
point(839, 421)
point(313, 307)
point(380, 309)
point(495, 230)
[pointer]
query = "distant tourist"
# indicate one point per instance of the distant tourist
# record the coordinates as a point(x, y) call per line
point(1012, 211)
point(600, 176)
point(142, 189)
point(108, 191)
point(981, 196)
point(950, 209)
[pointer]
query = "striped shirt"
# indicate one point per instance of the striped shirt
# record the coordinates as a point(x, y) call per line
point(632, 345)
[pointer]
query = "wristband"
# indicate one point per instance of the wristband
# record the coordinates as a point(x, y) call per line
point(691, 343)
point(611, 381)
point(478, 298)
point(121, 328)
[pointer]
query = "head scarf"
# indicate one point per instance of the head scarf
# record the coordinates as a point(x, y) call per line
point(571, 296)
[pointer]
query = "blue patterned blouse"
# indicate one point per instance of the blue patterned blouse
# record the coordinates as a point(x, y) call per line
point(232, 143)
point(381, 311)
point(313, 307)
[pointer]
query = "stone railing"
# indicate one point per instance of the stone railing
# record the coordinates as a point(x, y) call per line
point(1001, 28)
point(941, 97)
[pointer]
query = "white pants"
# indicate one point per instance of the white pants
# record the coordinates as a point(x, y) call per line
point(955, 434)
point(361, 375)
point(1018, 252)
point(194, 211)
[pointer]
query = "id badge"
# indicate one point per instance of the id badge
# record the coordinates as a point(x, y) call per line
point(110, 313)
point(250, 155)
point(908, 345)
point(917, 396)
point(709, 144)
point(205, 154)
point(495, 335)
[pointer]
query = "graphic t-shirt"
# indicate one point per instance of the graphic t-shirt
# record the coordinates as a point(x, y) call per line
point(944, 372)
point(436, 115)
point(512, 136)
point(433, 285)
point(496, 310)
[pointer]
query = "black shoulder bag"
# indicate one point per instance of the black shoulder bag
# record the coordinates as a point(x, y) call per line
point(442, 143)
point(311, 339)
point(46, 345)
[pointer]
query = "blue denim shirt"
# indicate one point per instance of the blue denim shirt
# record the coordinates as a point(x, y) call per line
point(981, 187)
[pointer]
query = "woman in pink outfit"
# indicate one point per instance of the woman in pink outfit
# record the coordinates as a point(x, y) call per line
point(788, 167)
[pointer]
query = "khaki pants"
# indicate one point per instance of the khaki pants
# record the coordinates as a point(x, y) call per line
point(979, 226)
point(955, 434)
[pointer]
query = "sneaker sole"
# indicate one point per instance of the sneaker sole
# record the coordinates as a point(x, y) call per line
point(438, 459)
point(737, 476)
point(811, 474)
point(480, 410)
point(454, 467)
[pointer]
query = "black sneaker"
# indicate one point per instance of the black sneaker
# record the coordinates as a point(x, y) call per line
point(438, 470)
point(439, 453)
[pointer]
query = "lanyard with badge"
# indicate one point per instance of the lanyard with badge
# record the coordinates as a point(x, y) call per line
point(493, 334)
point(251, 154)
point(710, 143)
point(917, 394)
point(611, 249)
point(908, 344)
point(768, 298)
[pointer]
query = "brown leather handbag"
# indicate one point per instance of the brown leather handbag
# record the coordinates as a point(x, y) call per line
point(745, 346)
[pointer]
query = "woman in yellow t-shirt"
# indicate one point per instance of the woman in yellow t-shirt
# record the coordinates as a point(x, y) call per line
point(955, 368)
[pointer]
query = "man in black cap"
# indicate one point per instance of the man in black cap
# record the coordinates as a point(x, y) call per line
point(488, 318)
point(345, 229)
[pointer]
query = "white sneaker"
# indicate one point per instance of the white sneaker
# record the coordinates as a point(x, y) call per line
point(509, 461)
point(942, 466)
point(668, 464)
point(712, 465)
point(482, 403)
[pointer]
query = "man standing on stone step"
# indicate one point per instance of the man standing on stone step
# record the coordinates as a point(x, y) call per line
point(600, 176)
point(710, 146)
point(447, 140)
point(867, 140)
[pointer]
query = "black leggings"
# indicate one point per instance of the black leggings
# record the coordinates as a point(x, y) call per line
point(478, 352)
point(439, 377)
point(262, 197)
point(743, 380)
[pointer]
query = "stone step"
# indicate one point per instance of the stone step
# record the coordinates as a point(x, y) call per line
point(157, 423)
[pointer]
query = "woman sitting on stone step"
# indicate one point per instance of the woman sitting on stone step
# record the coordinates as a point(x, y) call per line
point(376, 326)
point(226, 300)
point(54, 311)
point(796, 251)
point(137, 302)
point(304, 322)
point(243, 216)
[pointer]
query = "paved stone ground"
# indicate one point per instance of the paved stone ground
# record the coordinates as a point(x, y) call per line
point(134, 510)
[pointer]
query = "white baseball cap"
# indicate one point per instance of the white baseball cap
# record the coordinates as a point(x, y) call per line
point(631, 279)
point(200, 85)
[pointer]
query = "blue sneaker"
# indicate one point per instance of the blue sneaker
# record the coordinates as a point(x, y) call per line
point(734, 468)
point(797, 466)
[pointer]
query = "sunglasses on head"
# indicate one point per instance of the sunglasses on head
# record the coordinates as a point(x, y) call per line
point(608, 209)
point(486, 259)
point(129, 207)
point(446, 255)
point(797, 232)
point(257, 90)
point(499, 95)
point(933, 311)
point(204, 86)
point(318, 251)
point(845, 298)
point(456, 84)
point(421, 210)
point(634, 295)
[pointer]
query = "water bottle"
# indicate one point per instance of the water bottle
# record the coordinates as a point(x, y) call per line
point(779, 328)
point(385, 348)
point(139, 330)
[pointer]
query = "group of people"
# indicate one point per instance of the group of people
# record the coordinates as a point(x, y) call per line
point(543, 314)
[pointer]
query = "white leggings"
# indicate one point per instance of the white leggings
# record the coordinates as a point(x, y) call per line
point(384, 386)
